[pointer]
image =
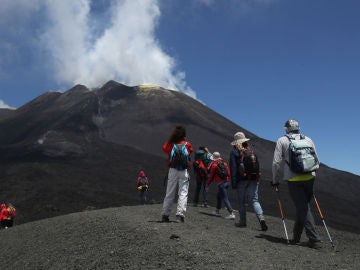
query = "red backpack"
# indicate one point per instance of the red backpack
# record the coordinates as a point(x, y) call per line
point(200, 168)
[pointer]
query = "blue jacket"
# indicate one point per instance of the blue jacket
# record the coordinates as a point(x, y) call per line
point(234, 163)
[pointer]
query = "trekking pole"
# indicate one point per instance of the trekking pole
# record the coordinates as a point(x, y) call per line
point(282, 214)
point(323, 221)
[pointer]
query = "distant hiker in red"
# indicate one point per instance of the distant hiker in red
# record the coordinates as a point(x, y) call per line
point(142, 184)
point(178, 151)
point(11, 215)
point(3, 216)
point(220, 170)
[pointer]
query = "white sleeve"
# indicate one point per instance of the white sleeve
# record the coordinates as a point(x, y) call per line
point(277, 161)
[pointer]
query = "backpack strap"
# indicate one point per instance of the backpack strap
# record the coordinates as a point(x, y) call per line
point(302, 137)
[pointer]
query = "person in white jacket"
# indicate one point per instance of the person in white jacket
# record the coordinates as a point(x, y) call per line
point(301, 186)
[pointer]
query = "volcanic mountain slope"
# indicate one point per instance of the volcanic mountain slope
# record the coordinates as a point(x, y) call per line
point(82, 149)
point(131, 237)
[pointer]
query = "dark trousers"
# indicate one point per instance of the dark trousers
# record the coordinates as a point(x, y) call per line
point(142, 196)
point(301, 193)
point(200, 187)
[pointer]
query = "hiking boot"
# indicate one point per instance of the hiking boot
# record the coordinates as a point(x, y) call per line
point(314, 244)
point(263, 225)
point(181, 218)
point(216, 213)
point(231, 216)
point(165, 218)
point(240, 224)
point(294, 242)
point(205, 205)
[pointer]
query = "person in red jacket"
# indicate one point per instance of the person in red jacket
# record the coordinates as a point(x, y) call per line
point(142, 184)
point(11, 215)
point(178, 150)
point(222, 180)
point(3, 216)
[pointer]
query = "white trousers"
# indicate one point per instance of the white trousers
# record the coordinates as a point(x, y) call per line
point(181, 179)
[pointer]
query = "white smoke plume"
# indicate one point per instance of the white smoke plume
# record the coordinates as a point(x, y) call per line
point(88, 49)
point(3, 105)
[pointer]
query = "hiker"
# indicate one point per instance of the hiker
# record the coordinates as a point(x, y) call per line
point(178, 150)
point(220, 170)
point(3, 216)
point(300, 185)
point(245, 179)
point(11, 215)
point(201, 163)
point(142, 184)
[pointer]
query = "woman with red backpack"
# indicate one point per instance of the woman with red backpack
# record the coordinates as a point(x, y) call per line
point(220, 170)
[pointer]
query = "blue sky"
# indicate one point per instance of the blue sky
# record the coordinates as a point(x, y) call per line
point(257, 62)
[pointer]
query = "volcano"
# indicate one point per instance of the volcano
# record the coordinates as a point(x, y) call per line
point(82, 149)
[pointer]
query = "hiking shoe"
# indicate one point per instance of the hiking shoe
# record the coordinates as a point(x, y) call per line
point(314, 244)
point(165, 218)
point(181, 218)
point(294, 242)
point(230, 216)
point(205, 205)
point(263, 225)
point(240, 224)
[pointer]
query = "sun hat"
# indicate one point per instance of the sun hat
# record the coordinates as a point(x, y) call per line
point(239, 138)
point(216, 155)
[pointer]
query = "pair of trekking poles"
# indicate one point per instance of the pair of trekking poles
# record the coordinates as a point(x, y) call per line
point(283, 216)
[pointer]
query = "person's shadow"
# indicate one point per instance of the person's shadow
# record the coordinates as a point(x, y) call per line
point(273, 239)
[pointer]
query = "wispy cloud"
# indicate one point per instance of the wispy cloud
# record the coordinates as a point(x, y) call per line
point(125, 49)
point(3, 105)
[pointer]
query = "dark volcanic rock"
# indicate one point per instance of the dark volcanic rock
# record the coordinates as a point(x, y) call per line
point(133, 238)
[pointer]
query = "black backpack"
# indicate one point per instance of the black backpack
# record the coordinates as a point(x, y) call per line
point(249, 164)
point(222, 169)
point(179, 156)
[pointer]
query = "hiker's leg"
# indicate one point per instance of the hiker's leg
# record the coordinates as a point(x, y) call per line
point(170, 192)
point(224, 189)
point(241, 197)
point(219, 197)
point(310, 229)
point(197, 189)
point(253, 190)
point(140, 197)
point(183, 180)
point(203, 187)
point(298, 196)
point(145, 196)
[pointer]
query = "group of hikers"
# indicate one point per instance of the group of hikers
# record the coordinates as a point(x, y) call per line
point(7, 215)
point(295, 161)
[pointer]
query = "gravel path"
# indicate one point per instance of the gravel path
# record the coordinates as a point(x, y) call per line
point(131, 237)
